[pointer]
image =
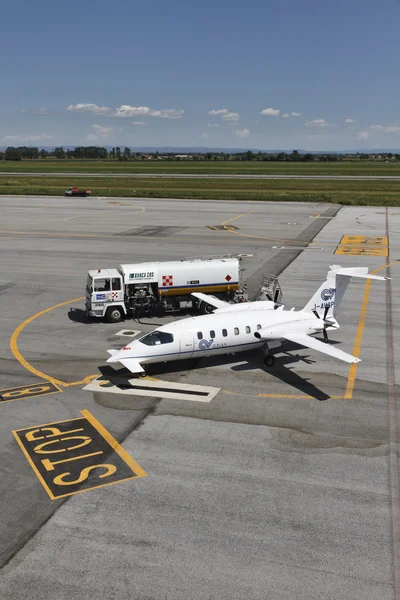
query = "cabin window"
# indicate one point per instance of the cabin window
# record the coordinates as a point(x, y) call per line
point(116, 283)
point(236, 331)
point(258, 326)
point(156, 338)
point(101, 285)
point(212, 334)
point(248, 330)
point(199, 335)
point(224, 332)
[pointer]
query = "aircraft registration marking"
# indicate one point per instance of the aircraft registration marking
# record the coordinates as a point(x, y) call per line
point(75, 456)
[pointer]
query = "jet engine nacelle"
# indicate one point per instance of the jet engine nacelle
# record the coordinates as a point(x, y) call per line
point(275, 332)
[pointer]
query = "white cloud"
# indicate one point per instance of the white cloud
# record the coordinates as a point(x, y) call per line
point(139, 123)
point(91, 137)
point(168, 113)
point(89, 108)
point(44, 112)
point(231, 116)
point(204, 135)
point(386, 129)
point(362, 135)
point(350, 121)
point(270, 112)
point(242, 132)
point(212, 125)
point(319, 123)
point(295, 114)
point(102, 131)
point(285, 116)
point(28, 138)
point(219, 111)
point(126, 111)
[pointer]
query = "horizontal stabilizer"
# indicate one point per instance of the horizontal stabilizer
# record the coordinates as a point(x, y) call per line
point(216, 302)
point(310, 342)
point(112, 352)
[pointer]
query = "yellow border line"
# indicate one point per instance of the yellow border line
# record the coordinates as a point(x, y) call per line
point(17, 354)
point(360, 330)
point(114, 444)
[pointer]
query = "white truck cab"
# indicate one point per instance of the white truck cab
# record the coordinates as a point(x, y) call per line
point(105, 294)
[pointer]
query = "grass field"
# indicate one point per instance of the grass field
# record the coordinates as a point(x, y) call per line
point(202, 167)
point(384, 193)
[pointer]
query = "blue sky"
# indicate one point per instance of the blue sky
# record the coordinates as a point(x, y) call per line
point(128, 73)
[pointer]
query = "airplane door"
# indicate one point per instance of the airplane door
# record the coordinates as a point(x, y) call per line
point(186, 341)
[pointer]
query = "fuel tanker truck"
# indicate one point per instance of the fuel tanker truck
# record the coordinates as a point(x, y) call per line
point(134, 289)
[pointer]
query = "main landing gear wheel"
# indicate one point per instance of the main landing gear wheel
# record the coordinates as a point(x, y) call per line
point(269, 361)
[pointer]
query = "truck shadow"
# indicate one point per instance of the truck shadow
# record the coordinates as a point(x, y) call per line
point(78, 315)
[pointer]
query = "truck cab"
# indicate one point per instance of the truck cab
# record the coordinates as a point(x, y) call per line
point(105, 295)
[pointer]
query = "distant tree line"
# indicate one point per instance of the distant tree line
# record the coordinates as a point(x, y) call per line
point(100, 153)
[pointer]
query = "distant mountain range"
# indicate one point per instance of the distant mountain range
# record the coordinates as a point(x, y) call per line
point(204, 149)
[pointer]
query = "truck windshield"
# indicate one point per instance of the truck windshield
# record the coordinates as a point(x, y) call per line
point(89, 284)
point(157, 337)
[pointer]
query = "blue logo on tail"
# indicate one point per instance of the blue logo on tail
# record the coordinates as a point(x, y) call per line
point(327, 294)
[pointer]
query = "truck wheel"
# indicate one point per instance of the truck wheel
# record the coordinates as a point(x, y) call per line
point(114, 315)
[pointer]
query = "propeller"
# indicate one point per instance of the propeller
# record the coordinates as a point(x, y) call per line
point(326, 323)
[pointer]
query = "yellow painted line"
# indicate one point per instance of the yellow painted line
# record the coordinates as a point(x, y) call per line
point(362, 250)
point(141, 208)
point(114, 444)
point(47, 424)
point(360, 330)
point(83, 381)
point(14, 343)
point(238, 217)
point(297, 397)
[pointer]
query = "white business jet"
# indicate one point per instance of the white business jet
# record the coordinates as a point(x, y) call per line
point(234, 328)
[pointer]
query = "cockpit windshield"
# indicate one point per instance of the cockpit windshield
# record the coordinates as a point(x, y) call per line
point(157, 337)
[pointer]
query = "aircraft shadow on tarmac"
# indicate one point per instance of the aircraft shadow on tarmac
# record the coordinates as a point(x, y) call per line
point(253, 362)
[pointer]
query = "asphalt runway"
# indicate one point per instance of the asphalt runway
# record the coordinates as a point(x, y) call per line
point(284, 485)
point(209, 176)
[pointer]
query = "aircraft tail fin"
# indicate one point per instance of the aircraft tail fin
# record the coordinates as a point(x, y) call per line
point(332, 290)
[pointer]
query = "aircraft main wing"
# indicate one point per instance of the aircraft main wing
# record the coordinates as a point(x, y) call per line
point(310, 342)
point(216, 302)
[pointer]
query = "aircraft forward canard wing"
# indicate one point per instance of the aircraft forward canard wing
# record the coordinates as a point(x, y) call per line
point(216, 302)
point(310, 342)
point(129, 363)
